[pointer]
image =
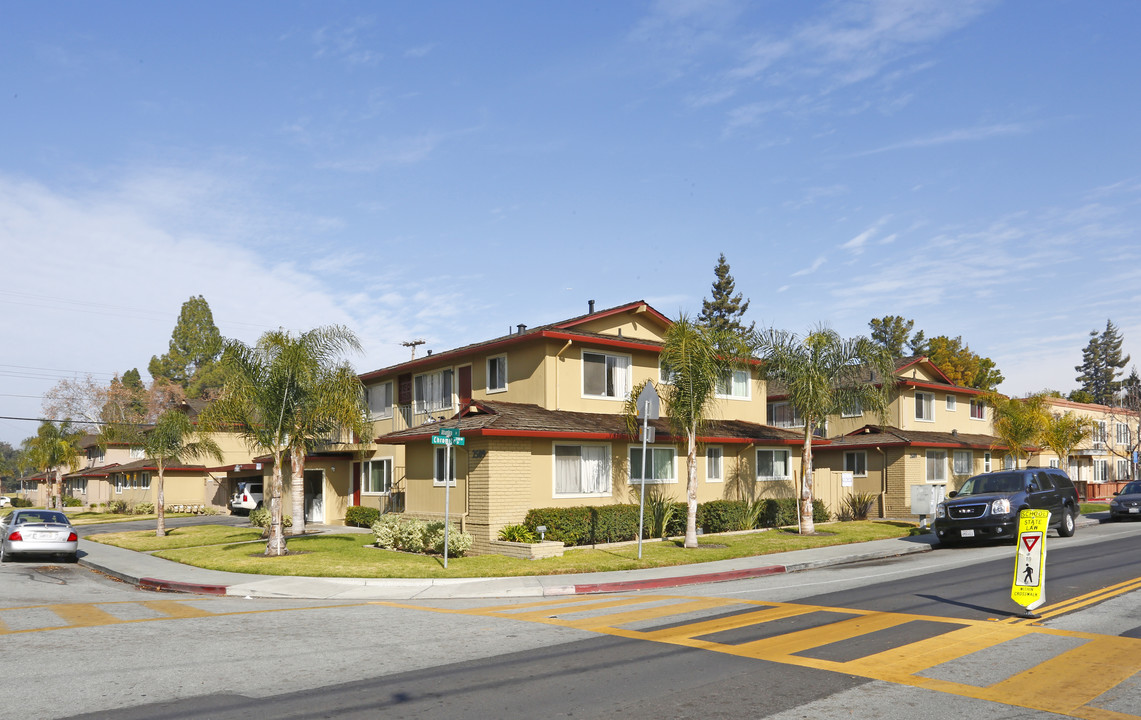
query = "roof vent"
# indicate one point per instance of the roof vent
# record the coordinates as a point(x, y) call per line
point(521, 327)
point(429, 352)
point(590, 304)
point(955, 432)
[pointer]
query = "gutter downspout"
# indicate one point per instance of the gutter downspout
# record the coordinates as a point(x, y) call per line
point(883, 482)
point(558, 358)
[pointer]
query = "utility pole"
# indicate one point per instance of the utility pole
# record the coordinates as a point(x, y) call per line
point(413, 344)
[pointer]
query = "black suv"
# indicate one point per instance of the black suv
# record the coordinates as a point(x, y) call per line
point(987, 505)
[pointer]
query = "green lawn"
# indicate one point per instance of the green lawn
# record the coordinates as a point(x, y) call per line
point(350, 556)
point(195, 536)
point(1088, 508)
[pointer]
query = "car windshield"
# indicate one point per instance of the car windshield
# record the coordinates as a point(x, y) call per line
point(1131, 489)
point(997, 483)
point(41, 516)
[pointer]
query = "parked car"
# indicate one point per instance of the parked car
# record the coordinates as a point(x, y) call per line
point(1127, 503)
point(37, 532)
point(248, 497)
point(987, 505)
point(5, 501)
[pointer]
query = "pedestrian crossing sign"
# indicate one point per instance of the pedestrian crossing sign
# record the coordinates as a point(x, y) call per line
point(1029, 588)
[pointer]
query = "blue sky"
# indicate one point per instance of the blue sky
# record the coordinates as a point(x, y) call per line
point(447, 170)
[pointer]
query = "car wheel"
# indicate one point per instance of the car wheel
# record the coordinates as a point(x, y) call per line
point(4, 556)
point(1066, 529)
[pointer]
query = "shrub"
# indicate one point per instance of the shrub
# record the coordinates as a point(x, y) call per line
point(570, 526)
point(856, 506)
point(261, 518)
point(410, 535)
point(143, 509)
point(659, 511)
point(71, 501)
point(614, 523)
point(21, 502)
point(517, 533)
point(385, 530)
point(722, 515)
point(358, 516)
point(458, 542)
point(118, 507)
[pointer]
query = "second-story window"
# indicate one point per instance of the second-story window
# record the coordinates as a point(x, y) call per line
point(605, 375)
point(978, 410)
point(380, 400)
point(852, 409)
point(734, 384)
point(1099, 431)
point(433, 391)
point(497, 374)
point(784, 415)
point(1123, 435)
point(924, 407)
point(137, 453)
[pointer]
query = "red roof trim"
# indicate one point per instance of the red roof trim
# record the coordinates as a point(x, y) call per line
point(937, 386)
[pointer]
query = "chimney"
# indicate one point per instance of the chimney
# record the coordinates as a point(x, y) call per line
point(521, 327)
point(590, 304)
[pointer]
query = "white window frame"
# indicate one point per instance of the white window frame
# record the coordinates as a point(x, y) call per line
point(438, 481)
point(385, 410)
point(664, 377)
point(988, 462)
point(620, 393)
point(1100, 471)
point(1100, 432)
point(138, 453)
point(495, 359)
point(1122, 470)
point(144, 481)
point(608, 464)
point(714, 463)
point(981, 408)
point(940, 466)
point(653, 450)
point(952, 403)
point(366, 472)
point(1122, 434)
point(1008, 462)
point(444, 401)
point(787, 464)
point(1054, 462)
point(730, 381)
point(119, 481)
point(924, 401)
point(794, 421)
point(859, 457)
point(962, 455)
point(852, 411)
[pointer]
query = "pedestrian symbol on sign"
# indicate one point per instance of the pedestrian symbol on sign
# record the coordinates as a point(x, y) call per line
point(1029, 589)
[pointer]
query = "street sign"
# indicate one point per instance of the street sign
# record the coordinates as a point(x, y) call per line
point(458, 441)
point(648, 403)
point(450, 432)
point(447, 440)
point(1029, 588)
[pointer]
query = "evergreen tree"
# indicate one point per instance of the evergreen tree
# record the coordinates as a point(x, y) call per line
point(892, 332)
point(725, 311)
point(191, 362)
point(1102, 364)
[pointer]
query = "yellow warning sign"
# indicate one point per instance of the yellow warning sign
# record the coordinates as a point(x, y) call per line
point(1029, 588)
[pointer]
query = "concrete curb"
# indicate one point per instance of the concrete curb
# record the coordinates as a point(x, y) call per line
point(658, 583)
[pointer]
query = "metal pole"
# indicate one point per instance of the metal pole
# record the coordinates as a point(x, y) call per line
point(447, 488)
point(642, 502)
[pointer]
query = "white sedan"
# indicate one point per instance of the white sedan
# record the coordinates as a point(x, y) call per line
point(5, 501)
point(37, 532)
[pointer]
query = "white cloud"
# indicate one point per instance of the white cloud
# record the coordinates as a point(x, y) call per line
point(974, 134)
point(816, 264)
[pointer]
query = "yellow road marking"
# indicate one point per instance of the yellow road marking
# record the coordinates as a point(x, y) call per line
point(915, 657)
point(583, 607)
point(1079, 602)
point(651, 613)
point(1103, 662)
point(176, 609)
point(78, 615)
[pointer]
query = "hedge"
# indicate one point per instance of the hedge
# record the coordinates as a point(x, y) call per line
point(359, 516)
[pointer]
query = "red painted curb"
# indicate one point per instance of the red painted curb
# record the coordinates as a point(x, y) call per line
point(173, 586)
point(678, 581)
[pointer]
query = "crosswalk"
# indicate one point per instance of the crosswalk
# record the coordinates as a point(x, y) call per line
point(1082, 675)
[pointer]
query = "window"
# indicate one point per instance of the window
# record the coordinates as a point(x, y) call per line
point(582, 470)
point(952, 403)
point(1099, 432)
point(986, 462)
point(665, 375)
point(1100, 467)
point(433, 391)
point(1007, 462)
point(783, 415)
point(1053, 462)
point(443, 468)
point(856, 463)
point(734, 384)
point(144, 481)
point(772, 464)
point(978, 410)
point(497, 374)
point(936, 466)
point(925, 407)
point(380, 400)
point(605, 376)
point(137, 453)
point(662, 465)
point(1122, 434)
point(713, 462)
point(376, 476)
point(118, 483)
point(852, 410)
point(1122, 470)
point(964, 462)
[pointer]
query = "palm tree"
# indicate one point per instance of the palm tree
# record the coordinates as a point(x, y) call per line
point(697, 359)
point(174, 439)
point(1018, 423)
point(52, 448)
point(1062, 433)
point(823, 374)
point(275, 398)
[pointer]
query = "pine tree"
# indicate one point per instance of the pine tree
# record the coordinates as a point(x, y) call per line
point(892, 332)
point(1102, 364)
point(726, 310)
point(191, 362)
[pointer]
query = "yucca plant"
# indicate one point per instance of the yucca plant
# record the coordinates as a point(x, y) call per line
point(857, 505)
point(517, 533)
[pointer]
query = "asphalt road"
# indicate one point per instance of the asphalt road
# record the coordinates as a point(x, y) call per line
point(895, 639)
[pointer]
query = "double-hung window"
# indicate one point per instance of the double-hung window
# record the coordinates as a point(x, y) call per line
point(138, 453)
point(1099, 432)
point(963, 462)
point(660, 465)
point(1100, 468)
point(856, 463)
point(714, 457)
point(1123, 436)
point(772, 464)
point(987, 462)
point(852, 409)
point(444, 470)
point(734, 384)
point(937, 466)
point(433, 391)
point(925, 407)
point(497, 374)
point(1122, 470)
point(784, 415)
point(379, 400)
point(376, 477)
point(606, 376)
point(978, 410)
point(952, 403)
point(582, 470)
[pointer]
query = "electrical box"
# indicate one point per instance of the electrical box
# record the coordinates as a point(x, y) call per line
point(924, 498)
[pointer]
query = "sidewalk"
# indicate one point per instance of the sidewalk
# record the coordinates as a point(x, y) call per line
point(147, 571)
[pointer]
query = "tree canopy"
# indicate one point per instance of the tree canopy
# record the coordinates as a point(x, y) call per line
point(726, 310)
point(174, 439)
point(191, 361)
point(954, 357)
point(1102, 364)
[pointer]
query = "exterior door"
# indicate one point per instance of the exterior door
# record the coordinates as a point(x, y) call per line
point(315, 496)
point(465, 385)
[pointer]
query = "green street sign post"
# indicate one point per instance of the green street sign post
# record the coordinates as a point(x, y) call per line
point(447, 437)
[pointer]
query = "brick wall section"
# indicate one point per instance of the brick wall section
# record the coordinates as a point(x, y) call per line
point(898, 498)
point(500, 488)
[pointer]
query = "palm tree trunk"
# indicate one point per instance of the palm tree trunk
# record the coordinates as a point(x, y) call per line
point(806, 525)
point(297, 489)
point(690, 488)
point(275, 546)
point(57, 491)
point(160, 501)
